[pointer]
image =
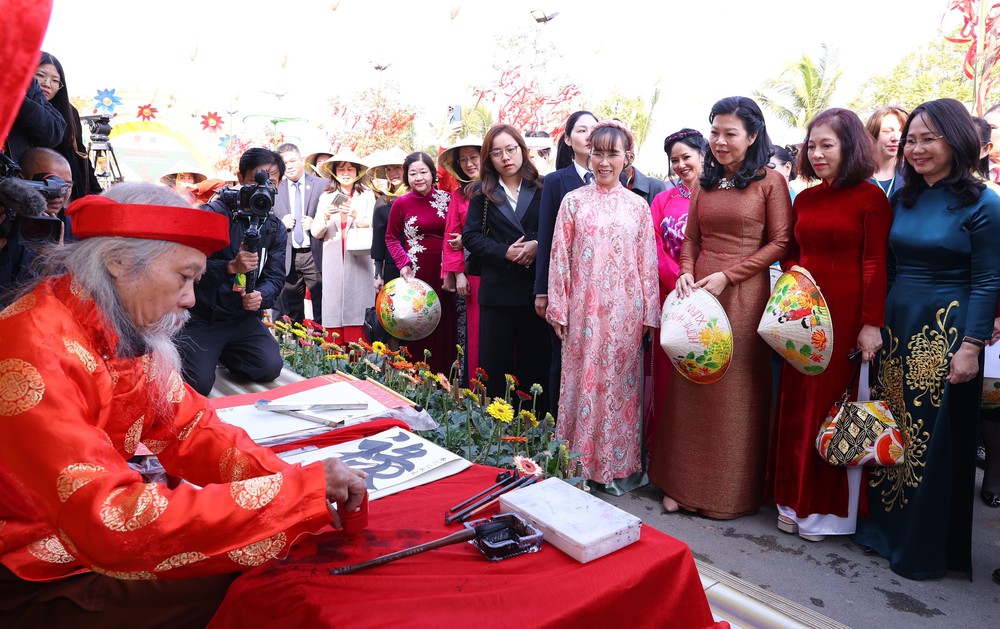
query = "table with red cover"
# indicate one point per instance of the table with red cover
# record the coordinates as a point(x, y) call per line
point(651, 583)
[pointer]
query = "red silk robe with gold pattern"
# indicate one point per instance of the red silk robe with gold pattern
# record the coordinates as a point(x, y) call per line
point(72, 413)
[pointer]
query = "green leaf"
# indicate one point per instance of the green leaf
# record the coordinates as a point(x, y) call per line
point(806, 350)
point(790, 345)
point(690, 356)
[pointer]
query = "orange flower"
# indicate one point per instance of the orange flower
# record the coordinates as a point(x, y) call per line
point(819, 339)
point(514, 439)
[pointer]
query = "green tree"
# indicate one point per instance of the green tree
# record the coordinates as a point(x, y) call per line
point(803, 89)
point(934, 70)
point(630, 110)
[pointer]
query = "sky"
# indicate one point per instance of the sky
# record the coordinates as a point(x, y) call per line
point(254, 60)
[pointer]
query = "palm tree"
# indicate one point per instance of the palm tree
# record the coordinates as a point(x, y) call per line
point(804, 89)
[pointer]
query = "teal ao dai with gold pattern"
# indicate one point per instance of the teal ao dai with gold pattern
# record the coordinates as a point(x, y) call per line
point(944, 282)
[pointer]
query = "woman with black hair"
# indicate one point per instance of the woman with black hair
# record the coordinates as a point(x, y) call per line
point(686, 150)
point(52, 80)
point(573, 171)
point(944, 283)
point(414, 238)
point(502, 230)
point(783, 162)
point(714, 436)
point(603, 300)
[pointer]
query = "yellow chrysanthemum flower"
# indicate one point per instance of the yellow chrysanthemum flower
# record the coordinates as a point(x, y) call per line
point(529, 417)
point(379, 347)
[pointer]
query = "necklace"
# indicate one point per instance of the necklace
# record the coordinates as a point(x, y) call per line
point(726, 184)
point(887, 189)
point(684, 191)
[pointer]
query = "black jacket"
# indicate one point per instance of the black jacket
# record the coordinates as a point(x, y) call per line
point(557, 184)
point(503, 283)
point(215, 299)
point(385, 266)
point(38, 123)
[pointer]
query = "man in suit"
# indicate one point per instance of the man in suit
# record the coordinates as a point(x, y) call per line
point(645, 187)
point(295, 205)
point(556, 185)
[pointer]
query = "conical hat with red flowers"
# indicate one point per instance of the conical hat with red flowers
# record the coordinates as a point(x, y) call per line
point(796, 323)
point(696, 335)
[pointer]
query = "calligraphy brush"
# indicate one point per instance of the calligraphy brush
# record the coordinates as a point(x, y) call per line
point(468, 514)
point(456, 516)
point(504, 478)
point(483, 530)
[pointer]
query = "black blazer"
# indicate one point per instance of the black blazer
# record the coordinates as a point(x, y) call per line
point(385, 266)
point(314, 188)
point(503, 283)
point(557, 184)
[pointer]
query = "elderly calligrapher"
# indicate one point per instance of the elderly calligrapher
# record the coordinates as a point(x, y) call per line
point(88, 371)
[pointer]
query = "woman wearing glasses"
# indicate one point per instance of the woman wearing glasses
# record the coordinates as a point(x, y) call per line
point(602, 300)
point(714, 436)
point(52, 80)
point(461, 160)
point(944, 282)
point(502, 230)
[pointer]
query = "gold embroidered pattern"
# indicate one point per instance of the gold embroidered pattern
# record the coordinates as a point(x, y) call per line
point(21, 305)
point(177, 561)
point(50, 550)
point(125, 576)
point(930, 355)
point(175, 388)
point(890, 386)
point(21, 386)
point(256, 493)
point(258, 552)
point(112, 372)
point(75, 476)
point(133, 436)
point(155, 446)
point(233, 465)
point(131, 508)
point(185, 432)
point(149, 368)
point(81, 352)
point(78, 291)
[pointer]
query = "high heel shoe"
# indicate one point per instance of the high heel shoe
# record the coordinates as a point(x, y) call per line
point(990, 500)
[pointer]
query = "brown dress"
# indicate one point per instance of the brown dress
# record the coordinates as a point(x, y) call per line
point(711, 447)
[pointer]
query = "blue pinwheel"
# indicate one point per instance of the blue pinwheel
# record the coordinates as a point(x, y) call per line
point(107, 101)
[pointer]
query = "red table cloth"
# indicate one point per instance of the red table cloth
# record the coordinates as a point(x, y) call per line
point(651, 583)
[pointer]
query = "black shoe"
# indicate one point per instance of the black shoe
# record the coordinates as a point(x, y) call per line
point(981, 457)
point(996, 575)
point(990, 500)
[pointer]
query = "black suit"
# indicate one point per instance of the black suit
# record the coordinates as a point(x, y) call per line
point(303, 267)
point(557, 184)
point(512, 339)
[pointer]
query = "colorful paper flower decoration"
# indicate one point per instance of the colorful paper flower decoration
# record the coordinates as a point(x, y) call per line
point(107, 101)
point(225, 139)
point(147, 112)
point(211, 122)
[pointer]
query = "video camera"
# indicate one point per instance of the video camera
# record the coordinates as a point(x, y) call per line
point(24, 204)
point(99, 127)
point(255, 200)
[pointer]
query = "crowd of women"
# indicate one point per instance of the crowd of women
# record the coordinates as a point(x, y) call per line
point(560, 280)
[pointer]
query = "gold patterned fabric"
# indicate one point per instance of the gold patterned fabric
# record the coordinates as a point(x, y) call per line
point(72, 413)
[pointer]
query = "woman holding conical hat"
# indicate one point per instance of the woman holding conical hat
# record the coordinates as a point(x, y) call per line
point(343, 216)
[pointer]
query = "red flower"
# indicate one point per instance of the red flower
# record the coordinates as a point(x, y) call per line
point(211, 122)
point(147, 112)
point(819, 339)
point(521, 394)
point(481, 374)
point(515, 439)
point(305, 343)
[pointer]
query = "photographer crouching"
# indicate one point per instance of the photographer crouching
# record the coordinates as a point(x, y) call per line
point(240, 282)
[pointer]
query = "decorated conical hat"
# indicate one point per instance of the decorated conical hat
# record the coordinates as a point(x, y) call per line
point(797, 324)
point(386, 157)
point(328, 168)
point(181, 167)
point(315, 160)
point(408, 310)
point(696, 335)
point(448, 157)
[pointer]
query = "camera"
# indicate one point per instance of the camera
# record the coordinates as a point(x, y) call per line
point(255, 200)
point(23, 206)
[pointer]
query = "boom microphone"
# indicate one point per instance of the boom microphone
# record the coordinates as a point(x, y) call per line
point(21, 197)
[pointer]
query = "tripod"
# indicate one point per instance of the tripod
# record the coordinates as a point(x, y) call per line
point(100, 151)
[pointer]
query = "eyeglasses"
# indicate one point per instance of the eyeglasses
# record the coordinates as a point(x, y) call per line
point(912, 143)
point(511, 151)
point(599, 156)
point(51, 80)
point(465, 161)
